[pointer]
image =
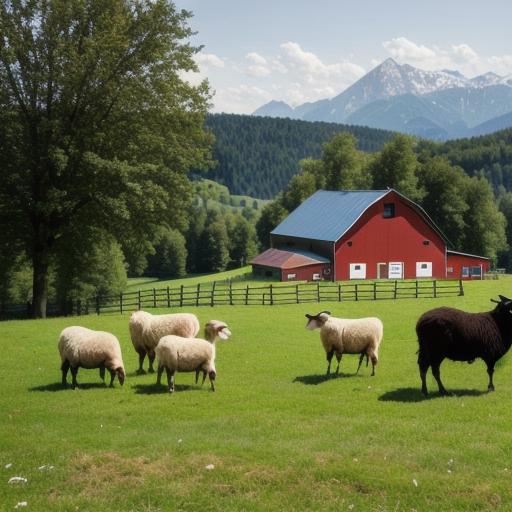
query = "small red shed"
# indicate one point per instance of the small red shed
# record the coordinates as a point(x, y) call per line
point(466, 266)
point(291, 266)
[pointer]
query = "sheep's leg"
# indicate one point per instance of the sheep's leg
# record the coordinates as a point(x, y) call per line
point(212, 376)
point(338, 358)
point(159, 374)
point(142, 356)
point(437, 375)
point(102, 373)
point(112, 376)
point(329, 359)
point(170, 379)
point(74, 371)
point(65, 367)
point(374, 363)
point(424, 366)
point(361, 360)
point(151, 359)
point(490, 371)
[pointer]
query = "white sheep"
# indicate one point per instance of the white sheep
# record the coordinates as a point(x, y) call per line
point(348, 336)
point(178, 354)
point(147, 329)
point(80, 347)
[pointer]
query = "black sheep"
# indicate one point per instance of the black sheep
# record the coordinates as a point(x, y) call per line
point(460, 336)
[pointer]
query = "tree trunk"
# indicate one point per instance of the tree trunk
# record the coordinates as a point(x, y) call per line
point(40, 284)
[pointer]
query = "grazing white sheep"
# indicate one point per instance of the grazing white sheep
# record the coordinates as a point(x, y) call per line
point(147, 329)
point(80, 347)
point(178, 354)
point(348, 336)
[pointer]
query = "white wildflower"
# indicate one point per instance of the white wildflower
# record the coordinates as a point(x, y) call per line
point(210, 466)
point(17, 479)
point(415, 482)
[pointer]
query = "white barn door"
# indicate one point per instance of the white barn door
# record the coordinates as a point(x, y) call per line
point(357, 270)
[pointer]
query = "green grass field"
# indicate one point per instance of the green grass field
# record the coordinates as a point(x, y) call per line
point(277, 435)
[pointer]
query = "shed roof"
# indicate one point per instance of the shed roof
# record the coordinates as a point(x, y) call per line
point(285, 259)
point(327, 215)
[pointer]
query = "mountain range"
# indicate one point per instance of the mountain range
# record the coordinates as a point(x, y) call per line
point(437, 105)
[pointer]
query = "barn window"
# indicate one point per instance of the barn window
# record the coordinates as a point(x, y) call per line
point(291, 276)
point(269, 273)
point(349, 244)
point(388, 211)
point(316, 277)
point(426, 242)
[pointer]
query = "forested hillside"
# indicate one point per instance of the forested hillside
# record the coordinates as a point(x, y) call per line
point(257, 156)
point(487, 156)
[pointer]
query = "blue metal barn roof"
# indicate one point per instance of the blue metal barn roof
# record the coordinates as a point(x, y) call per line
point(327, 215)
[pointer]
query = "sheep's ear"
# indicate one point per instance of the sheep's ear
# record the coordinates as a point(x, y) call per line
point(223, 333)
point(504, 299)
point(315, 322)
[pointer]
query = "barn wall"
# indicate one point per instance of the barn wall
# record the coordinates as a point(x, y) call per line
point(374, 240)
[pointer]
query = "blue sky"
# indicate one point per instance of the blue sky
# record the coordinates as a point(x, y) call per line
point(306, 50)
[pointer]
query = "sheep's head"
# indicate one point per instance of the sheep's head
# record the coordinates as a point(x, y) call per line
point(120, 375)
point(216, 329)
point(504, 304)
point(317, 321)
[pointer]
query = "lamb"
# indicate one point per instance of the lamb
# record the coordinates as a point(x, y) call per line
point(348, 336)
point(178, 354)
point(460, 336)
point(80, 347)
point(147, 329)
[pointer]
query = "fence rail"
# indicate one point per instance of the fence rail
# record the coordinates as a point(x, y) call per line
point(224, 293)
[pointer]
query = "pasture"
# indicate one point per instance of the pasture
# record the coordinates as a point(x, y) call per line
point(277, 435)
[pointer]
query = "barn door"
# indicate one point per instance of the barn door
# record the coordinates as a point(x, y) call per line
point(382, 270)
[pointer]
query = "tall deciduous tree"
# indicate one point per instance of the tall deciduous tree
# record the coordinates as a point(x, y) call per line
point(396, 166)
point(97, 123)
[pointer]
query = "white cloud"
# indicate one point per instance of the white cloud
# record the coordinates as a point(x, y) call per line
point(403, 50)
point(256, 58)
point(209, 60)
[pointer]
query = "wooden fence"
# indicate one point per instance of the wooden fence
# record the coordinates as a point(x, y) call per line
point(269, 294)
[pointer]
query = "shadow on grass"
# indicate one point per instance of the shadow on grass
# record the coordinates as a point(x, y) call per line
point(410, 395)
point(155, 389)
point(57, 386)
point(314, 380)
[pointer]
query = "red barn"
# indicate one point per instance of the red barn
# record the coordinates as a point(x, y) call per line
point(376, 234)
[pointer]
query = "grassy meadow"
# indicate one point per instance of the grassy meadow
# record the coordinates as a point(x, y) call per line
point(277, 434)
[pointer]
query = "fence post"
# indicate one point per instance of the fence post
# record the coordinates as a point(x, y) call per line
point(271, 296)
point(416, 288)
point(355, 289)
point(140, 302)
point(181, 296)
point(213, 293)
point(121, 303)
point(168, 297)
point(297, 293)
point(461, 289)
point(435, 289)
point(154, 297)
point(339, 292)
point(375, 290)
point(318, 292)
point(197, 293)
point(247, 296)
point(230, 292)
point(396, 288)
